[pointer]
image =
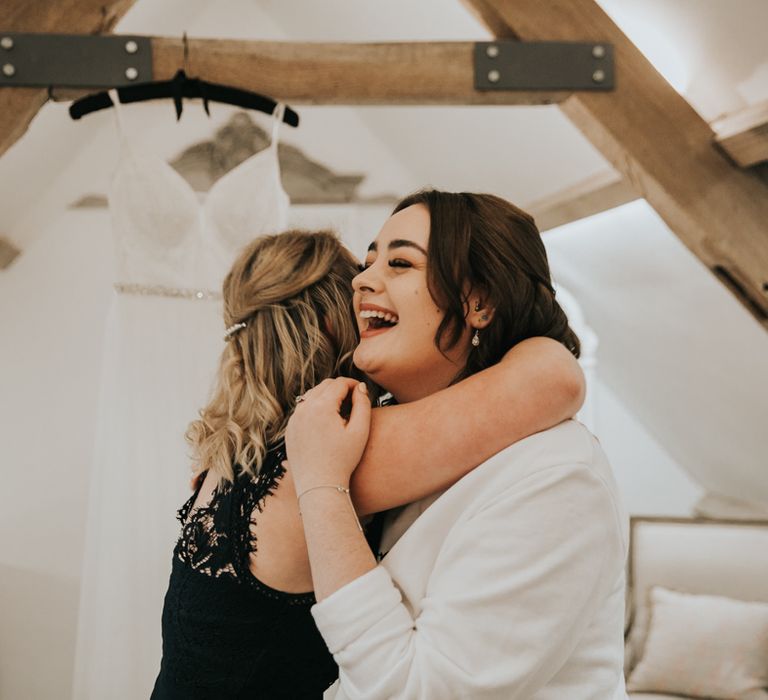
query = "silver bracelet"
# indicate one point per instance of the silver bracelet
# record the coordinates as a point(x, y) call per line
point(340, 489)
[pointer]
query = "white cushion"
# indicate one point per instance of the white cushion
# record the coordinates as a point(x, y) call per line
point(704, 646)
point(696, 556)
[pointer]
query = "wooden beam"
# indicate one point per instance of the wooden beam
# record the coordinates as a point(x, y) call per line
point(743, 135)
point(419, 73)
point(18, 106)
point(416, 73)
point(658, 142)
point(596, 194)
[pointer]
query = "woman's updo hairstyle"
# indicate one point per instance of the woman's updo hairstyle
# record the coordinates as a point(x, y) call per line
point(482, 243)
point(293, 292)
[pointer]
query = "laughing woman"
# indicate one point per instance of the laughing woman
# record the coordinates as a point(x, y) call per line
point(510, 584)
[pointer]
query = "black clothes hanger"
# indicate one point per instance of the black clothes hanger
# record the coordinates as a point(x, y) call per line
point(178, 87)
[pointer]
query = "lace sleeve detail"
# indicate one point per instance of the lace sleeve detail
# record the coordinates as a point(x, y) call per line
point(217, 539)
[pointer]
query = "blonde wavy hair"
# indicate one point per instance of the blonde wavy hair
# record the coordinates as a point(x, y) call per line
point(294, 292)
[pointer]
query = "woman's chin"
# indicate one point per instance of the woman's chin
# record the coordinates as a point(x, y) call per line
point(363, 360)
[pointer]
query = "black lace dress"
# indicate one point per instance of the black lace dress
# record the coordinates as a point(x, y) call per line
point(226, 634)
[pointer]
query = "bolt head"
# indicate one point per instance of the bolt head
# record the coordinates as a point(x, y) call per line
point(598, 76)
point(492, 51)
point(131, 73)
point(131, 46)
point(493, 76)
point(598, 51)
point(9, 70)
point(7, 43)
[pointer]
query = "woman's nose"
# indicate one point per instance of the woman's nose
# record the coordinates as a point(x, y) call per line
point(364, 281)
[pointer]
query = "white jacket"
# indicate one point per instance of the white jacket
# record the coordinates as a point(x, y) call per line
point(508, 585)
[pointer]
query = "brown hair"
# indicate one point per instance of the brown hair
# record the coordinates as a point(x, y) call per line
point(482, 243)
point(294, 292)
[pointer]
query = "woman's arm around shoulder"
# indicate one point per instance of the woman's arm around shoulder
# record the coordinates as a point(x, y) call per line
point(425, 446)
point(517, 583)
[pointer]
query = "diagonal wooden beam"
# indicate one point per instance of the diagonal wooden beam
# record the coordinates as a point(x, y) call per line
point(743, 135)
point(591, 196)
point(658, 142)
point(18, 106)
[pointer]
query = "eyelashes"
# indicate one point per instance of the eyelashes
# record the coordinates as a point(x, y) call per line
point(397, 262)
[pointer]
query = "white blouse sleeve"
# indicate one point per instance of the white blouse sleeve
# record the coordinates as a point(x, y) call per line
point(512, 591)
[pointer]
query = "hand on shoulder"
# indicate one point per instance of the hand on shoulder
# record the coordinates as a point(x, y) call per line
point(322, 446)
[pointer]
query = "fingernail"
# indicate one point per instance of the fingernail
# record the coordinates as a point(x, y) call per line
point(362, 387)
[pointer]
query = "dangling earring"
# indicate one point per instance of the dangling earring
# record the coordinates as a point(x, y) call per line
point(476, 338)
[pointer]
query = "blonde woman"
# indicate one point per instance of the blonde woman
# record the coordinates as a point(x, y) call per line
point(236, 620)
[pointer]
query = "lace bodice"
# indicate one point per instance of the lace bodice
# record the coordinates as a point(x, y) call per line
point(225, 633)
point(218, 539)
point(166, 234)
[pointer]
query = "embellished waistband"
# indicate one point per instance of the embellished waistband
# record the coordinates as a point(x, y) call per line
point(159, 290)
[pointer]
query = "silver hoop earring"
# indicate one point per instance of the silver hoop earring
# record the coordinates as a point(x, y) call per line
point(476, 338)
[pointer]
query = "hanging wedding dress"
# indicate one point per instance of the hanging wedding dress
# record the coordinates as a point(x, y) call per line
point(163, 339)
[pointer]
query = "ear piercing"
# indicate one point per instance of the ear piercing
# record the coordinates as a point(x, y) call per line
point(484, 317)
point(478, 306)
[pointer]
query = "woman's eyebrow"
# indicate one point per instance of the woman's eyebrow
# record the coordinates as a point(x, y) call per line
point(405, 243)
point(398, 243)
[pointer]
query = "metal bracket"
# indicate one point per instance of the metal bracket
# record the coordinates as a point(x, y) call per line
point(69, 60)
point(543, 65)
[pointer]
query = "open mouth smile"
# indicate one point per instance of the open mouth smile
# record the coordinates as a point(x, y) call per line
point(376, 320)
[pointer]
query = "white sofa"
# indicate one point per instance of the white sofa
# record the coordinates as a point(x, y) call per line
point(695, 556)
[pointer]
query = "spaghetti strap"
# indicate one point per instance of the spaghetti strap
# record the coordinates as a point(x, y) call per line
point(118, 111)
point(277, 117)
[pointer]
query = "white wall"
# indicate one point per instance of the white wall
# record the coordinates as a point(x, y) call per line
point(53, 302)
point(649, 479)
point(688, 361)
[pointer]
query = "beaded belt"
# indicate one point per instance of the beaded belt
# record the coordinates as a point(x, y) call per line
point(158, 290)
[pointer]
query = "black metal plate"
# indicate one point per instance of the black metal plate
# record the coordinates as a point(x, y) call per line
point(66, 60)
point(543, 65)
